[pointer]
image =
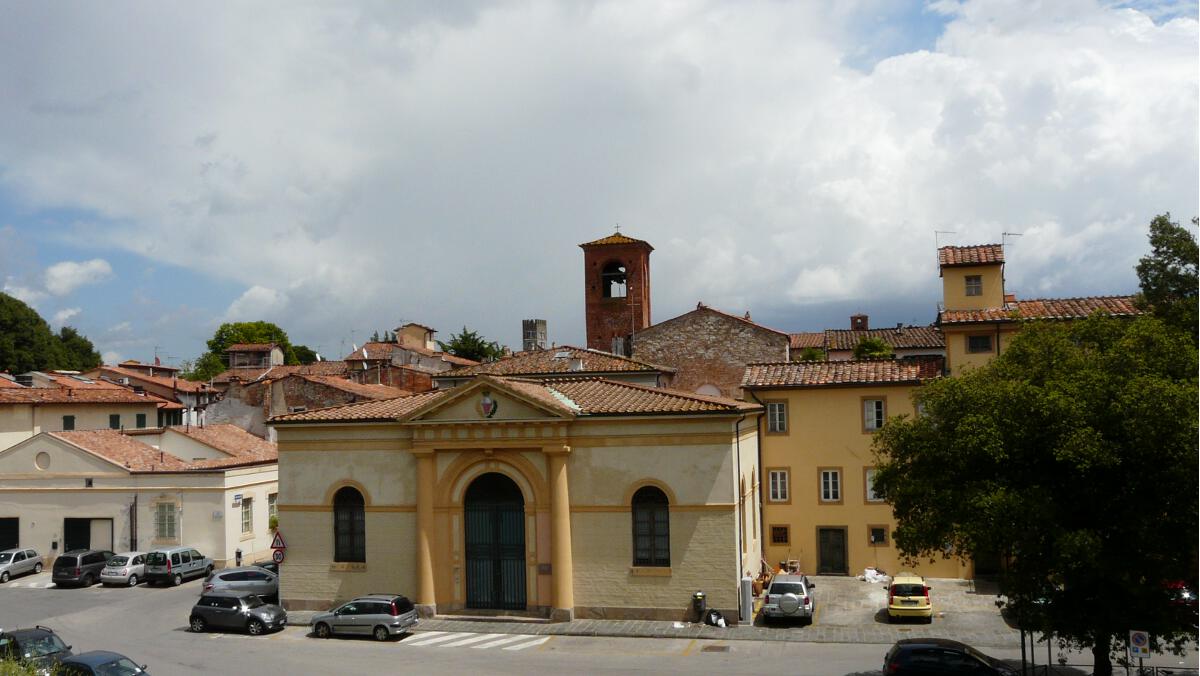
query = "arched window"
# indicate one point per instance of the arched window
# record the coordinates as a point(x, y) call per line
point(651, 528)
point(613, 280)
point(349, 526)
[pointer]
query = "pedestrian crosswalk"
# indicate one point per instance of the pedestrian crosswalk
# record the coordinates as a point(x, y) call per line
point(444, 639)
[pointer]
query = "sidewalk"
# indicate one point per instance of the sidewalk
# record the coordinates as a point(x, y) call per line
point(847, 613)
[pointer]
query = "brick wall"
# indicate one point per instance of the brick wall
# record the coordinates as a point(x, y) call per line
point(708, 347)
point(609, 317)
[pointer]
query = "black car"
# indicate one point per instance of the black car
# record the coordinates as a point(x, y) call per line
point(935, 656)
point(236, 610)
point(99, 663)
point(80, 566)
point(38, 647)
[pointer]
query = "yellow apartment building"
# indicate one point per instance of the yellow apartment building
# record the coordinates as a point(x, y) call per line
point(818, 504)
point(564, 498)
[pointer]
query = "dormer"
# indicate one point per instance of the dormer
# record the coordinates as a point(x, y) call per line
point(972, 276)
point(416, 335)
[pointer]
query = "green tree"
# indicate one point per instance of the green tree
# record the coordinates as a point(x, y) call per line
point(811, 354)
point(26, 341)
point(872, 348)
point(78, 352)
point(212, 362)
point(1168, 275)
point(304, 354)
point(1074, 456)
point(470, 345)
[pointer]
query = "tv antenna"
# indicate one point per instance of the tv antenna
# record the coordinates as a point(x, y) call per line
point(1005, 235)
point(937, 236)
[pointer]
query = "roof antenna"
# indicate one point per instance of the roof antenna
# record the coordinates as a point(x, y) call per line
point(618, 227)
point(1005, 235)
point(937, 243)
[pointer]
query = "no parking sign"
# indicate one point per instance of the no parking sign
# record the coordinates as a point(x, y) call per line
point(1139, 644)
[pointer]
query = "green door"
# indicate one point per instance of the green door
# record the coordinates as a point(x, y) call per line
point(494, 511)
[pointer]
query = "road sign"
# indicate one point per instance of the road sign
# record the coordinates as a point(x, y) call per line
point(1139, 644)
point(277, 543)
point(277, 556)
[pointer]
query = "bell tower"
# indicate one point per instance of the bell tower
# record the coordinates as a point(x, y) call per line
point(616, 290)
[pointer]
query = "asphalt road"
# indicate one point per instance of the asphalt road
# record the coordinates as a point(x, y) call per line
point(150, 626)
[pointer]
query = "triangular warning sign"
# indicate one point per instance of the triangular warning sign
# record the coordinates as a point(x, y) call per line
point(277, 543)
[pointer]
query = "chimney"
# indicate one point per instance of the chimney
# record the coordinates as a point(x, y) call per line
point(576, 364)
point(859, 323)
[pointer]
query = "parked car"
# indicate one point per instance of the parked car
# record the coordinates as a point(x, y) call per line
point(790, 596)
point(126, 568)
point(99, 663)
point(236, 610)
point(79, 567)
point(922, 656)
point(14, 562)
point(268, 565)
point(173, 565)
point(908, 596)
point(39, 647)
point(378, 615)
point(245, 579)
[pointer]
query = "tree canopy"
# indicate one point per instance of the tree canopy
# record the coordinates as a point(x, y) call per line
point(470, 345)
point(304, 354)
point(811, 354)
point(212, 362)
point(872, 348)
point(28, 344)
point(1074, 456)
point(1168, 274)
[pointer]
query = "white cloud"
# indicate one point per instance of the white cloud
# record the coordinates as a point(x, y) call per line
point(61, 317)
point(22, 293)
point(352, 166)
point(63, 278)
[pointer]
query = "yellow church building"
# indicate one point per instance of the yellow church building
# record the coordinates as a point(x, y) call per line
point(559, 498)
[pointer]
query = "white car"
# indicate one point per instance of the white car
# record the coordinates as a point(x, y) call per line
point(15, 562)
point(126, 568)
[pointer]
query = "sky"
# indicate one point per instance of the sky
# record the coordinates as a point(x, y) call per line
point(342, 168)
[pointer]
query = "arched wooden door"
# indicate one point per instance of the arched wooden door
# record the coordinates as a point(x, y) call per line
point(495, 543)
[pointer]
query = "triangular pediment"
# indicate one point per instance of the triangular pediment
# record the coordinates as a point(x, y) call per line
point(489, 398)
point(47, 455)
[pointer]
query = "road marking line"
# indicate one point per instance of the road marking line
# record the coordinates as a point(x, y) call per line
point(530, 644)
point(690, 646)
point(502, 641)
point(473, 639)
point(436, 639)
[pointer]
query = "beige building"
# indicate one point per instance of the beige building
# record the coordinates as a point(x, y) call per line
point(562, 498)
point(819, 508)
point(211, 488)
point(75, 403)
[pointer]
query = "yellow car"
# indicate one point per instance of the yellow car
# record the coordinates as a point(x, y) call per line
point(908, 596)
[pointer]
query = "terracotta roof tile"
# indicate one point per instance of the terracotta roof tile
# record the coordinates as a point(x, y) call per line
point(62, 395)
point(555, 360)
point(981, 254)
point(242, 447)
point(368, 391)
point(379, 350)
point(1045, 308)
point(162, 381)
point(133, 363)
point(616, 238)
point(251, 347)
point(829, 373)
point(701, 307)
point(252, 373)
point(904, 337)
point(123, 450)
point(8, 381)
point(369, 411)
point(799, 341)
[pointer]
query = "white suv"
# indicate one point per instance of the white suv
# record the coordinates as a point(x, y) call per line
point(790, 596)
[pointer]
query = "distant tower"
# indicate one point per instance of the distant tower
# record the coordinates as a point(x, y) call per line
point(616, 289)
point(533, 334)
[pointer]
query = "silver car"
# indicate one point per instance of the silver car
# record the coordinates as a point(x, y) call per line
point(378, 615)
point(250, 579)
point(14, 562)
point(126, 568)
point(790, 596)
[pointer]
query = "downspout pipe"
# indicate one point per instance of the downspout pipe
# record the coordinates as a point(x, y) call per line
point(762, 537)
point(737, 486)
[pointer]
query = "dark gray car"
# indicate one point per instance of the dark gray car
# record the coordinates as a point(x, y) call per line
point(14, 562)
point(236, 610)
point(80, 566)
point(250, 579)
point(378, 615)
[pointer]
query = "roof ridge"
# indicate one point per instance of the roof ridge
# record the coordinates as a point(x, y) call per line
point(1037, 300)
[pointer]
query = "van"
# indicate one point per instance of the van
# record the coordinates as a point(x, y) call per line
point(173, 565)
point(80, 567)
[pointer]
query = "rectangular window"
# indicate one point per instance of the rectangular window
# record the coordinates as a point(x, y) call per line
point(777, 480)
point(141, 420)
point(777, 417)
point(272, 510)
point(781, 535)
point(979, 343)
point(68, 423)
point(869, 480)
point(878, 536)
point(247, 515)
point(164, 521)
point(974, 285)
point(114, 421)
point(831, 485)
point(874, 414)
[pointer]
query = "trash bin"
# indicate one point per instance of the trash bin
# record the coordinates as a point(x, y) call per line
point(699, 605)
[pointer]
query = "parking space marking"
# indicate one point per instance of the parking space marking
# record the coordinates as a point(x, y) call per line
point(473, 639)
point(502, 641)
point(528, 644)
